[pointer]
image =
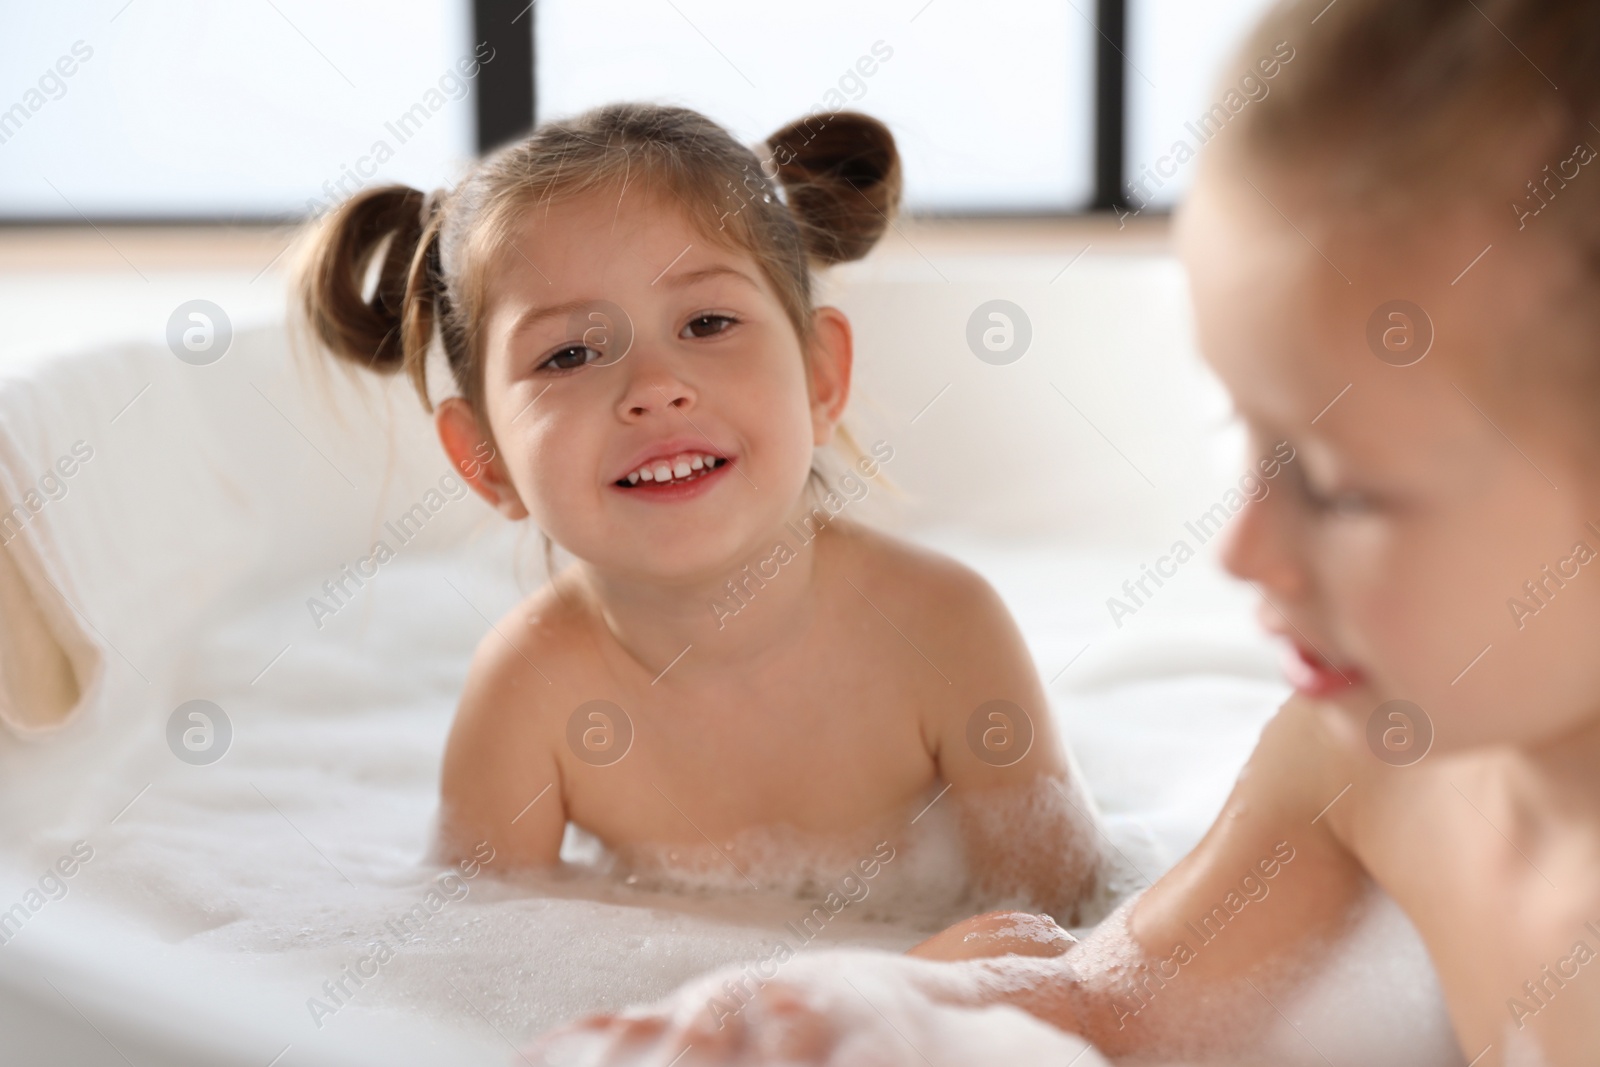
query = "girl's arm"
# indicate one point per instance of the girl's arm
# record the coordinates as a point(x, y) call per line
point(500, 781)
point(1030, 826)
point(1266, 884)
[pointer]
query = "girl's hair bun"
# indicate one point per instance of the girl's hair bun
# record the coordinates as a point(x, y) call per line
point(367, 331)
point(841, 176)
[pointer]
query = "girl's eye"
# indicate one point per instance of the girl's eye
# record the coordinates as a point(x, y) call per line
point(1347, 504)
point(570, 358)
point(707, 325)
point(1334, 503)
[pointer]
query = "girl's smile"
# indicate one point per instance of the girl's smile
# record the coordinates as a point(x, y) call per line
point(673, 473)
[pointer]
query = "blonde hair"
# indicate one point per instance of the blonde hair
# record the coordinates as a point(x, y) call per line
point(1398, 111)
point(1385, 94)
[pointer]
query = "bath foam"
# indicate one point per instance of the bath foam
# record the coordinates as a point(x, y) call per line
point(893, 868)
point(241, 865)
point(1366, 994)
point(1372, 998)
point(1089, 872)
point(855, 1008)
point(1039, 929)
point(926, 881)
point(909, 878)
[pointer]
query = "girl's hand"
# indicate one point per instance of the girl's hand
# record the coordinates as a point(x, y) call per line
point(840, 1009)
point(778, 1026)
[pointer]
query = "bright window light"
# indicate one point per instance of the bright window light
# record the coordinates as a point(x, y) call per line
point(992, 105)
point(1176, 49)
point(207, 108)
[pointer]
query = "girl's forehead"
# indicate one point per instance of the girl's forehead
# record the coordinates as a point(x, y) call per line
point(1308, 332)
point(611, 230)
point(604, 217)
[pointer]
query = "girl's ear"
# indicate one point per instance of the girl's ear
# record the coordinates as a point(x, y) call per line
point(832, 353)
point(473, 455)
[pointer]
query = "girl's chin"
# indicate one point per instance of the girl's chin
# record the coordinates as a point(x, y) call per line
point(692, 562)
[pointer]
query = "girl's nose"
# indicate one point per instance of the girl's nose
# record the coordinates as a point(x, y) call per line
point(1260, 546)
point(654, 388)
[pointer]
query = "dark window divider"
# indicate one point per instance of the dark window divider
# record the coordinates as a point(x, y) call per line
point(506, 89)
point(1110, 99)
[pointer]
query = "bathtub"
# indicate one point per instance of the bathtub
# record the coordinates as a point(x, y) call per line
point(231, 909)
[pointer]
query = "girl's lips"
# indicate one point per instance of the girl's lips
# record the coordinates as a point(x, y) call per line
point(678, 489)
point(1314, 676)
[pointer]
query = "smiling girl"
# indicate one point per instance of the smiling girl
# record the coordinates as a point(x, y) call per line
point(730, 680)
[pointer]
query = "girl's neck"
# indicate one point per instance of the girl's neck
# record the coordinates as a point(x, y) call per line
point(755, 605)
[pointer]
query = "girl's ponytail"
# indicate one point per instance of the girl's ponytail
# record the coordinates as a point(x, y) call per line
point(841, 177)
point(390, 330)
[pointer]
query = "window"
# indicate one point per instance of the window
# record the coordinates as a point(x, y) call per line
point(274, 109)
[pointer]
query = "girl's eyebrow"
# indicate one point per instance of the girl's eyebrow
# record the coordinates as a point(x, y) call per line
point(536, 314)
point(679, 280)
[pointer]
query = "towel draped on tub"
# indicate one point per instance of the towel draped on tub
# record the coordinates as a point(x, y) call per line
point(140, 493)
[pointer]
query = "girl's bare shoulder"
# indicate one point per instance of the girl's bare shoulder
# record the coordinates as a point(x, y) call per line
point(948, 612)
point(528, 659)
point(1499, 839)
point(914, 573)
point(1503, 824)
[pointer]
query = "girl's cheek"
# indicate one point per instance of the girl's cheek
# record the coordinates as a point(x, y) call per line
point(1368, 594)
point(529, 449)
point(1421, 624)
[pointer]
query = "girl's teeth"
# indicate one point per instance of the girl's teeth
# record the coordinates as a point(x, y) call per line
point(678, 467)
